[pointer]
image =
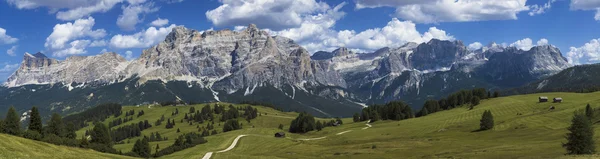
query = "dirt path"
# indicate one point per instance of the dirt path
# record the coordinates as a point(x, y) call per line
point(208, 155)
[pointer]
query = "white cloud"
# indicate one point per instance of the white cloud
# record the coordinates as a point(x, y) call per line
point(540, 9)
point(587, 5)
point(475, 46)
point(98, 43)
point(275, 15)
point(143, 39)
point(542, 41)
point(130, 17)
point(587, 54)
point(6, 39)
point(434, 11)
point(394, 34)
point(103, 51)
point(63, 33)
point(7, 70)
point(160, 22)
point(68, 10)
point(77, 48)
point(83, 11)
point(524, 44)
point(128, 55)
point(12, 51)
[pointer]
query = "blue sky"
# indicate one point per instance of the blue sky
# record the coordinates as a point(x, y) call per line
point(62, 28)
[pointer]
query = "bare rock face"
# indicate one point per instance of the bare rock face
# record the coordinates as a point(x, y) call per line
point(234, 64)
point(39, 69)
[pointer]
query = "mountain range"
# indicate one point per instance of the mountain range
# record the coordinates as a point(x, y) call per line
point(251, 65)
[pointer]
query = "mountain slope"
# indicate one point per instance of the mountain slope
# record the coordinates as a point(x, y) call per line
point(251, 65)
point(582, 78)
point(537, 133)
point(17, 147)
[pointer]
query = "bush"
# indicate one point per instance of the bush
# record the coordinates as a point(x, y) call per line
point(231, 125)
point(303, 123)
point(33, 135)
point(53, 139)
point(102, 148)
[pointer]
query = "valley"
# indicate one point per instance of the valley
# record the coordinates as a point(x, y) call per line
point(528, 129)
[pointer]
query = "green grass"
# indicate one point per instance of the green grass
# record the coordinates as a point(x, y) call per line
point(12, 147)
point(266, 124)
point(537, 133)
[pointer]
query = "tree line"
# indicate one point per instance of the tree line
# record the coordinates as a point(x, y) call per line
point(96, 114)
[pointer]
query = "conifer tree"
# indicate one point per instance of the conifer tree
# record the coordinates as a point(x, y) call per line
point(55, 126)
point(12, 123)
point(475, 101)
point(100, 134)
point(580, 139)
point(35, 121)
point(589, 112)
point(487, 121)
point(319, 126)
point(356, 117)
point(70, 131)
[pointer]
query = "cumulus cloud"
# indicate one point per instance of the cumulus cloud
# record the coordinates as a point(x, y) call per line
point(475, 46)
point(7, 70)
point(394, 34)
point(593, 5)
point(524, 44)
point(276, 15)
point(143, 39)
point(98, 43)
point(68, 38)
point(12, 51)
point(542, 41)
point(540, 9)
point(160, 22)
point(131, 15)
point(77, 47)
point(6, 39)
point(434, 11)
point(64, 33)
point(103, 51)
point(68, 10)
point(128, 55)
point(587, 54)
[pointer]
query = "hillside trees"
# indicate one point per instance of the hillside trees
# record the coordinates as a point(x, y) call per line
point(55, 126)
point(303, 123)
point(356, 117)
point(12, 124)
point(95, 114)
point(395, 110)
point(35, 121)
point(231, 125)
point(142, 148)
point(487, 121)
point(580, 139)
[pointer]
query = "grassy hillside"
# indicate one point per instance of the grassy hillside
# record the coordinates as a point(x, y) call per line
point(17, 147)
point(537, 133)
point(266, 124)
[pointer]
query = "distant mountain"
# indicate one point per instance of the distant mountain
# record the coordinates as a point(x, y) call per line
point(582, 78)
point(250, 65)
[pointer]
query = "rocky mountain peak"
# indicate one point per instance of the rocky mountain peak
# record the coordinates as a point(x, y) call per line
point(342, 51)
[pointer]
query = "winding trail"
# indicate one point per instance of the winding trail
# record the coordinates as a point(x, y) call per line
point(208, 155)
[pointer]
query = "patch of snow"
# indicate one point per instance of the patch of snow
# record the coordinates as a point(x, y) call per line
point(441, 69)
point(542, 84)
point(249, 92)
